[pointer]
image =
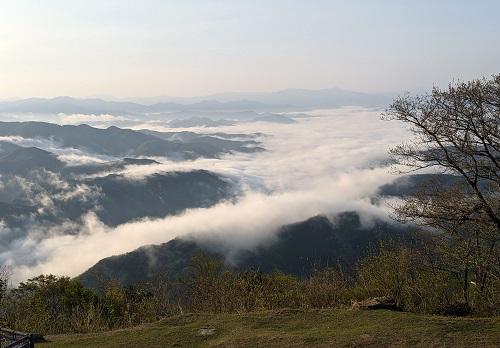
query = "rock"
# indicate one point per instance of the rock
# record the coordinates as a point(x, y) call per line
point(37, 338)
point(205, 331)
point(383, 302)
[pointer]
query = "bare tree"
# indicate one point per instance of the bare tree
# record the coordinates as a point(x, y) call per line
point(457, 131)
point(4, 279)
point(4, 276)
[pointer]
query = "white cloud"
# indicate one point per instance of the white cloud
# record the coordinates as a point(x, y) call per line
point(322, 165)
point(101, 121)
point(69, 155)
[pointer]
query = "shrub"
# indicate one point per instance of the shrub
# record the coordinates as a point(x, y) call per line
point(404, 274)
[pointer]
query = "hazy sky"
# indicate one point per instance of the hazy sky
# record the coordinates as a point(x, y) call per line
point(196, 47)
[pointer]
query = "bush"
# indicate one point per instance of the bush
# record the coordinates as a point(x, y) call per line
point(410, 278)
point(47, 304)
point(214, 287)
point(50, 304)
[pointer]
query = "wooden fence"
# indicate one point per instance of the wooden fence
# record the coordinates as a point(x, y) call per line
point(15, 339)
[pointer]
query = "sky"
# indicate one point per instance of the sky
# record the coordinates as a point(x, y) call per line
point(147, 48)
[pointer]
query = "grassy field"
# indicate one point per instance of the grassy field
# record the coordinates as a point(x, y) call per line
point(287, 328)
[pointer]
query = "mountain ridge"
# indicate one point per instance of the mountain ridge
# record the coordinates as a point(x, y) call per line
point(298, 249)
point(123, 142)
point(283, 100)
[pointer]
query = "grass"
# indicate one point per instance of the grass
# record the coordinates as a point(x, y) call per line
point(289, 328)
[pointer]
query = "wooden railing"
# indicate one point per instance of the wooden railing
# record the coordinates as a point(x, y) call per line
point(15, 339)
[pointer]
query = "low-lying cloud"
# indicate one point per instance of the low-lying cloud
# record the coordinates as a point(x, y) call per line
point(71, 156)
point(327, 164)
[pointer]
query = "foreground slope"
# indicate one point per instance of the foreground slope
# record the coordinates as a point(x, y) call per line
point(325, 328)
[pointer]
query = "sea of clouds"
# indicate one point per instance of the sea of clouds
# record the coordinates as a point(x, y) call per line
point(331, 162)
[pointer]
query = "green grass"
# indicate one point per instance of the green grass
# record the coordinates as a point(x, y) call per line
point(287, 328)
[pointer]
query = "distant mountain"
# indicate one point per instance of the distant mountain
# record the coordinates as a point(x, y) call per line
point(208, 122)
point(274, 118)
point(13, 214)
point(216, 115)
point(37, 187)
point(69, 105)
point(115, 199)
point(224, 145)
point(285, 100)
point(118, 142)
point(301, 98)
point(305, 98)
point(299, 249)
point(237, 135)
point(215, 105)
point(199, 122)
point(319, 242)
point(21, 160)
point(171, 259)
point(7, 147)
point(412, 184)
point(95, 168)
point(159, 195)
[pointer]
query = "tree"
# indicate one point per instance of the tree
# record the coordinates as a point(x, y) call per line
point(4, 279)
point(47, 303)
point(456, 131)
